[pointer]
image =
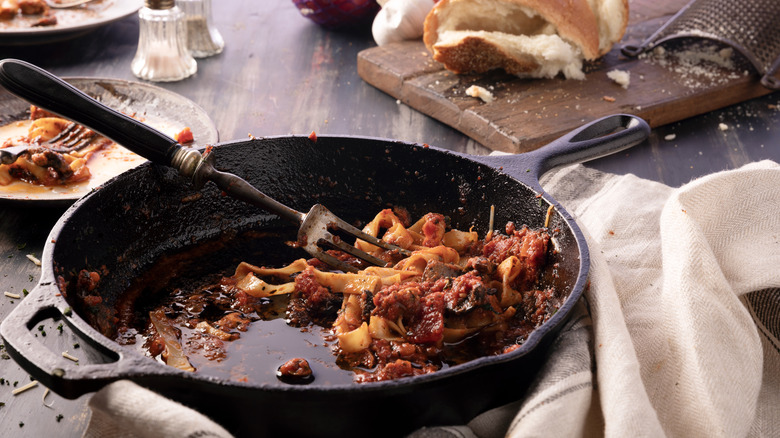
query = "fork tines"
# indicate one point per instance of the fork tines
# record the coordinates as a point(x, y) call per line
point(73, 137)
point(315, 233)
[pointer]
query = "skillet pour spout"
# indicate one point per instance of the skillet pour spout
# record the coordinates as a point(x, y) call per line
point(151, 214)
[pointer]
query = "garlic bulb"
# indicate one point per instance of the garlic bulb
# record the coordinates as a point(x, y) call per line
point(400, 20)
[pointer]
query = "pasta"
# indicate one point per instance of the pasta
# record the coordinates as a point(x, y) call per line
point(455, 298)
point(44, 166)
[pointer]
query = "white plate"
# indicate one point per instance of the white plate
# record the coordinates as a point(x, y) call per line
point(70, 22)
point(164, 110)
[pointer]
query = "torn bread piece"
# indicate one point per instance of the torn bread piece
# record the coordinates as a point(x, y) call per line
point(528, 38)
point(480, 92)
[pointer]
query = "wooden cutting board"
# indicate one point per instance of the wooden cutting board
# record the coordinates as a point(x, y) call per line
point(528, 113)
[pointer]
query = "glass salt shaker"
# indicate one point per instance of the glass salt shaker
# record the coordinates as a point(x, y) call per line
point(203, 39)
point(162, 53)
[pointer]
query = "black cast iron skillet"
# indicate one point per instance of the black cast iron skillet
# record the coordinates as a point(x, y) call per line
point(150, 228)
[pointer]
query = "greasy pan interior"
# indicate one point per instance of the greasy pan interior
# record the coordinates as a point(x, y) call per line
point(151, 214)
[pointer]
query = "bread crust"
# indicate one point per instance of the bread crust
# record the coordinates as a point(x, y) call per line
point(573, 20)
point(606, 41)
point(477, 55)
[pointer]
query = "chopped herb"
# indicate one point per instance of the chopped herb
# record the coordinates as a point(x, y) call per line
point(25, 291)
point(59, 328)
point(59, 417)
point(5, 356)
point(21, 246)
point(40, 328)
point(21, 424)
point(16, 382)
point(68, 311)
point(31, 278)
point(76, 345)
point(2, 381)
point(2, 404)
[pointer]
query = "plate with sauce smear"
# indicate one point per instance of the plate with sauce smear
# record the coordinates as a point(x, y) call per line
point(68, 23)
point(164, 110)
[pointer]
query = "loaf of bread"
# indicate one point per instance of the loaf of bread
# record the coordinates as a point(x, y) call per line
point(529, 38)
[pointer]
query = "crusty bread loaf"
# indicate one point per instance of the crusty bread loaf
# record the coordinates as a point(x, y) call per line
point(537, 38)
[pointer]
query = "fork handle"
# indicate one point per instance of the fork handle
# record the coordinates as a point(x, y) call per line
point(51, 93)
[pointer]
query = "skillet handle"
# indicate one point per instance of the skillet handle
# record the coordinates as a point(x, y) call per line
point(597, 139)
point(63, 376)
point(49, 92)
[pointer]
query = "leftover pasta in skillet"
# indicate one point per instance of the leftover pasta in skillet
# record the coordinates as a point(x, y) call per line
point(457, 297)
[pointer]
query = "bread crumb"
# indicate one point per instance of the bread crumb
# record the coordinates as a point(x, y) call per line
point(34, 259)
point(480, 92)
point(723, 127)
point(670, 137)
point(621, 77)
point(608, 98)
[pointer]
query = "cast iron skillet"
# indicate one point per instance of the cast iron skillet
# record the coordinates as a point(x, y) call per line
point(150, 223)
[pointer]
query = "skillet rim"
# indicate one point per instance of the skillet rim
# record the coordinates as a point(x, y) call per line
point(128, 355)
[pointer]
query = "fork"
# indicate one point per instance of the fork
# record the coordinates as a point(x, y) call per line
point(74, 137)
point(318, 229)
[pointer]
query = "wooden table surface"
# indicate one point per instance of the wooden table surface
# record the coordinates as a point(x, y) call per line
point(281, 74)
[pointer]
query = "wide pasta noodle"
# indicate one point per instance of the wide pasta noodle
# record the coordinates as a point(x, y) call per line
point(509, 269)
point(174, 353)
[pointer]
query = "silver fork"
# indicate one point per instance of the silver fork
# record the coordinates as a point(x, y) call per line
point(318, 230)
point(74, 137)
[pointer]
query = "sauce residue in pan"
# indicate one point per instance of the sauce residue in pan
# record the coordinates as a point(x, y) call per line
point(456, 298)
